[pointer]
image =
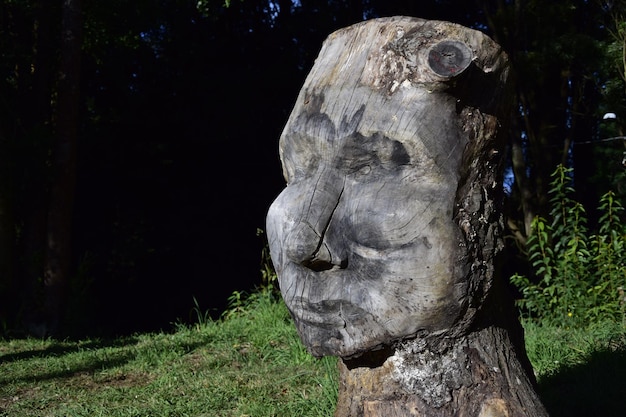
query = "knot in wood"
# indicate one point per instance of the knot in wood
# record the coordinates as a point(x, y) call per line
point(449, 58)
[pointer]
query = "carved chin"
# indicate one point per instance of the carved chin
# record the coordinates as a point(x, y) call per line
point(332, 335)
point(347, 330)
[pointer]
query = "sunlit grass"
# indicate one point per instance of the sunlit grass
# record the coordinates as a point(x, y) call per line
point(252, 363)
point(580, 372)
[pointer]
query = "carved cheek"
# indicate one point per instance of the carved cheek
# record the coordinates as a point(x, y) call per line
point(395, 214)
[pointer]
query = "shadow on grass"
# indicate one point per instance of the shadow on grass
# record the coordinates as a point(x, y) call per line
point(63, 348)
point(121, 354)
point(595, 388)
point(100, 355)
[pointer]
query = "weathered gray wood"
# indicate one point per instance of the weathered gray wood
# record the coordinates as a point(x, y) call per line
point(386, 235)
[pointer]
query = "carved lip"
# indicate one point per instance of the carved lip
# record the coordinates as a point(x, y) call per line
point(327, 313)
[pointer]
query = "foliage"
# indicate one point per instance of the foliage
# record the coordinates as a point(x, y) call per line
point(616, 63)
point(579, 277)
point(239, 301)
point(206, 7)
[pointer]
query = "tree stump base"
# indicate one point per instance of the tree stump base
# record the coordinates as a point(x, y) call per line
point(475, 376)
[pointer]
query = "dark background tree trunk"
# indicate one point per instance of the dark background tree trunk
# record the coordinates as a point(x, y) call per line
point(57, 258)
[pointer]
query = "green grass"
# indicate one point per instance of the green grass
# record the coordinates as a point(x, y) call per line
point(581, 372)
point(252, 363)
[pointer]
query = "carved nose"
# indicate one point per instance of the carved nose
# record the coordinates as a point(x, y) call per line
point(308, 248)
point(321, 260)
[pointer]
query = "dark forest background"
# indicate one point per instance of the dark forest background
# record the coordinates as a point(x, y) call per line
point(139, 140)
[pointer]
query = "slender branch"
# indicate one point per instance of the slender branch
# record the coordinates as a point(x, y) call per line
point(601, 140)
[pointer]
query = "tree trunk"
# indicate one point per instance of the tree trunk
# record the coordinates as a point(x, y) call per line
point(25, 134)
point(484, 373)
point(386, 238)
point(7, 243)
point(58, 245)
point(467, 378)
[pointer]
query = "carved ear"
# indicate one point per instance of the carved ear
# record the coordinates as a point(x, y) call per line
point(449, 58)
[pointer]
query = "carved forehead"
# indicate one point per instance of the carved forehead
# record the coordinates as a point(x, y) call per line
point(384, 76)
point(426, 127)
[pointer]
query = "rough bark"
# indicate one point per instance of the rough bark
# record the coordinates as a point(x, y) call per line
point(385, 239)
point(484, 373)
point(466, 378)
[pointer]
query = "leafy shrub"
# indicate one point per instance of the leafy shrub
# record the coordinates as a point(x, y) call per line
point(579, 277)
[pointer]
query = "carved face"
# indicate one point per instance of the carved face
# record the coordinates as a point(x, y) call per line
point(362, 237)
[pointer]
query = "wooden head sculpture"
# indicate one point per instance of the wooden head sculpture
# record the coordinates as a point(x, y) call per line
point(387, 227)
point(385, 237)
